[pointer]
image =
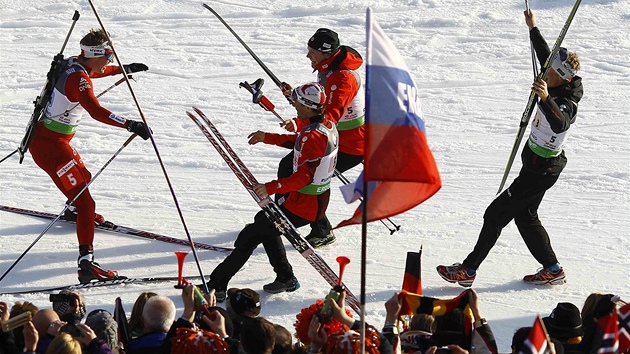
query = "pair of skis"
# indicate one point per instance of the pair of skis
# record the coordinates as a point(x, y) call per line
point(119, 229)
point(100, 284)
point(273, 212)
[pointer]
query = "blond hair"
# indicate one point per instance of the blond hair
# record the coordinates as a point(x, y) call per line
point(64, 343)
point(574, 61)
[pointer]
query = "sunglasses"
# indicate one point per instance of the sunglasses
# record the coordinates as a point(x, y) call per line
point(109, 54)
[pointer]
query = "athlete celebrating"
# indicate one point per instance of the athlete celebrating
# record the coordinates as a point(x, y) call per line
point(50, 147)
point(543, 160)
point(308, 187)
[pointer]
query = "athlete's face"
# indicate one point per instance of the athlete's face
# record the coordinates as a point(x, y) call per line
point(316, 56)
point(97, 65)
point(553, 79)
point(302, 111)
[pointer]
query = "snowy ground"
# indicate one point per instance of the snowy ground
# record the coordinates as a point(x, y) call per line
point(471, 62)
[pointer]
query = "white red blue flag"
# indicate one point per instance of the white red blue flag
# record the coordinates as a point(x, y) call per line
point(398, 164)
point(536, 342)
point(609, 343)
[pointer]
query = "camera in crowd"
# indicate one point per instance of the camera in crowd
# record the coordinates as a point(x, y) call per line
point(61, 298)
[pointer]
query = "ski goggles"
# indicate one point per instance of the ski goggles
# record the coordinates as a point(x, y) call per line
point(98, 51)
point(561, 66)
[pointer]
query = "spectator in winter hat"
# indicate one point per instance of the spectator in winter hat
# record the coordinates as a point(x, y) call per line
point(596, 306)
point(336, 66)
point(242, 304)
point(104, 326)
point(565, 323)
point(72, 309)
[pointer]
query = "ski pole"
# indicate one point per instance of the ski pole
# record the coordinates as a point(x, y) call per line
point(155, 148)
point(532, 96)
point(262, 65)
point(344, 180)
point(9, 155)
point(531, 45)
point(258, 97)
point(66, 207)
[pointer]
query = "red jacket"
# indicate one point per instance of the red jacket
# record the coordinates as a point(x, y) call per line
point(341, 87)
point(313, 148)
point(78, 88)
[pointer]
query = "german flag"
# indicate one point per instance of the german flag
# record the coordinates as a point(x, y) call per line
point(412, 281)
point(415, 303)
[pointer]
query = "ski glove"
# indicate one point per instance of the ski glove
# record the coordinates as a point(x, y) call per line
point(134, 68)
point(139, 128)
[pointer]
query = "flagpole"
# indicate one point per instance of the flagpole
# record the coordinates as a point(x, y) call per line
point(366, 197)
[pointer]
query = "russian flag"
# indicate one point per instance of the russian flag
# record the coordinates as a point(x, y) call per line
point(398, 165)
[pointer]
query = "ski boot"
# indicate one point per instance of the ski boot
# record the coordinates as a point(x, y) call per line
point(89, 270)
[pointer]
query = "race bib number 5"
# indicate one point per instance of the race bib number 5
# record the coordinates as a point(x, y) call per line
point(70, 175)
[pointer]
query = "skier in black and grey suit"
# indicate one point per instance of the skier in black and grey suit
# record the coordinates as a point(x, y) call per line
point(543, 159)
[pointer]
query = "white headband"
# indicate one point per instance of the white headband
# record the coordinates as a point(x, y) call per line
point(96, 51)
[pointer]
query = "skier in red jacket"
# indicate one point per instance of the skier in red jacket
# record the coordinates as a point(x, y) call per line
point(308, 188)
point(50, 147)
point(336, 67)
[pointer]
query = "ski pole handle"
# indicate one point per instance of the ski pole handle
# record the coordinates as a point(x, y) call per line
point(529, 12)
point(266, 104)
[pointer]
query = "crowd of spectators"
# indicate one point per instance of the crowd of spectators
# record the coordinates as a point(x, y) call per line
point(239, 328)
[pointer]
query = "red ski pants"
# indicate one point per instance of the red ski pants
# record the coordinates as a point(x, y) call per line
point(65, 167)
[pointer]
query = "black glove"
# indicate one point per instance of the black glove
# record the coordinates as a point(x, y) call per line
point(134, 68)
point(138, 128)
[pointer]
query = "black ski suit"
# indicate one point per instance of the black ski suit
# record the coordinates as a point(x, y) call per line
point(520, 201)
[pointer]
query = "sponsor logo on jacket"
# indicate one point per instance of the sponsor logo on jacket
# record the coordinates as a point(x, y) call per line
point(83, 84)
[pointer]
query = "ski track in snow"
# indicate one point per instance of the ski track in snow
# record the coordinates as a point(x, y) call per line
point(471, 65)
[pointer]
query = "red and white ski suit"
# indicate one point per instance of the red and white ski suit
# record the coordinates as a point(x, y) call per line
point(315, 144)
point(51, 148)
point(345, 101)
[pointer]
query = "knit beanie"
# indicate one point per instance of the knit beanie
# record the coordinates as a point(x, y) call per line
point(104, 326)
point(325, 41)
